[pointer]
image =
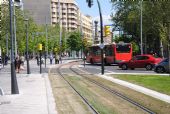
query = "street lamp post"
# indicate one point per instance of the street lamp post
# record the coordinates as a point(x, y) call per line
point(60, 24)
point(15, 40)
point(90, 3)
point(96, 32)
point(14, 84)
point(169, 44)
point(27, 57)
point(46, 46)
point(141, 46)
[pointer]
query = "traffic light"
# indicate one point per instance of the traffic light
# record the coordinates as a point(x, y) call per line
point(107, 30)
point(90, 3)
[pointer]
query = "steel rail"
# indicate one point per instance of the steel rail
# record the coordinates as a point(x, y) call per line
point(83, 98)
point(114, 92)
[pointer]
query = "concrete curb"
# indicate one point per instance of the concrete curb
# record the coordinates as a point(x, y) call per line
point(50, 98)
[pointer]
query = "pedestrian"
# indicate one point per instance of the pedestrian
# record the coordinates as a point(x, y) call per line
point(51, 59)
point(6, 59)
point(37, 58)
point(57, 59)
point(17, 64)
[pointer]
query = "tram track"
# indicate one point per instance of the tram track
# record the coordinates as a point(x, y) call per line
point(114, 92)
point(94, 111)
point(82, 73)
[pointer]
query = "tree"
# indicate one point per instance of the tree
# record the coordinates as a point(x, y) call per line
point(20, 28)
point(74, 41)
point(155, 15)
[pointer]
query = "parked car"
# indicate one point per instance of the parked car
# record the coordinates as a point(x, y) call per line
point(163, 66)
point(140, 61)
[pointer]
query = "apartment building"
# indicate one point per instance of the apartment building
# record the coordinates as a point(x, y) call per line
point(67, 14)
point(85, 25)
point(40, 10)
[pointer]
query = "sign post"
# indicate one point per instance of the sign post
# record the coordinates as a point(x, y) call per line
point(40, 49)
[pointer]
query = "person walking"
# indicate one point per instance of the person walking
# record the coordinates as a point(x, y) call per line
point(17, 64)
point(37, 58)
point(57, 59)
point(51, 59)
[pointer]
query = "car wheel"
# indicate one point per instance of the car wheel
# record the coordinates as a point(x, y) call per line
point(148, 67)
point(160, 69)
point(132, 68)
point(124, 67)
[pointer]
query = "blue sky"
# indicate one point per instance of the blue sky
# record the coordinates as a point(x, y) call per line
point(106, 8)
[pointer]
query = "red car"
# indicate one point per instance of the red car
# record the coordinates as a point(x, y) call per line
point(140, 61)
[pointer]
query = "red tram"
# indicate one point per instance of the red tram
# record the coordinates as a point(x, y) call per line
point(113, 53)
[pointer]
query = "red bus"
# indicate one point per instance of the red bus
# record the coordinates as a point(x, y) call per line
point(113, 53)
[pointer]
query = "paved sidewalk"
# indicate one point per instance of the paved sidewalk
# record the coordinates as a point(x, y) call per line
point(35, 96)
point(35, 93)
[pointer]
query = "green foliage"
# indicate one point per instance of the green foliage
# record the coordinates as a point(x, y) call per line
point(155, 18)
point(20, 28)
point(74, 41)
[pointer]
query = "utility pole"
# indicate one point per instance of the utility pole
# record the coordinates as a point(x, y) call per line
point(14, 84)
point(162, 49)
point(141, 47)
point(27, 56)
point(169, 44)
point(96, 32)
point(101, 35)
point(7, 43)
point(60, 24)
point(15, 40)
point(46, 46)
point(90, 3)
point(81, 30)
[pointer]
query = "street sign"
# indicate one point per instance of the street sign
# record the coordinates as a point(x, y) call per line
point(101, 46)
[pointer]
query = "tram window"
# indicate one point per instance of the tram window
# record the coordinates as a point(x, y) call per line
point(96, 51)
point(123, 48)
point(109, 51)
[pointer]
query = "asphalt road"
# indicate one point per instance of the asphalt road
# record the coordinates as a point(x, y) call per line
point(96, 69)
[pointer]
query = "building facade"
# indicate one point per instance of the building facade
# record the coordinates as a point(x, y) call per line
point(67, 14)
point(85, 26)
point(40, 10)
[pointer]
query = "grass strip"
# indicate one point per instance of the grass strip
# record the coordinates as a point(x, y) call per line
point(94, 100)
point(157, 83)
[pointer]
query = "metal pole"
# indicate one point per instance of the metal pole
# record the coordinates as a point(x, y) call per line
point(60, 22)
point(27, 56)
point(7, 44)
point(141, 29)
point(82, 50)
point(169, 46)
point(81, 29)
point(46, 49)
point(15, 40)
point(14, 84)
point(101, 29)
point(162, 49)
point(96, 32)
point(40, 63)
